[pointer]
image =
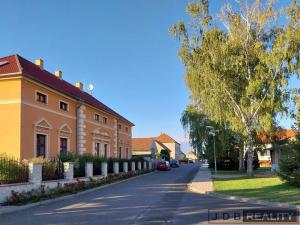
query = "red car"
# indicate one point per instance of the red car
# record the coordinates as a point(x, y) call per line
point(163, 166)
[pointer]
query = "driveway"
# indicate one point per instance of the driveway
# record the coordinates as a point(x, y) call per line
point(156, 198)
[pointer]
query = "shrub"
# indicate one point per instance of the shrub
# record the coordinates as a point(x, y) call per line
point(12, 171)
point(289, 165)
point(52, 169)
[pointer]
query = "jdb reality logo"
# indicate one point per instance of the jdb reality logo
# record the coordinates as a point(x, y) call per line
point(238, 216)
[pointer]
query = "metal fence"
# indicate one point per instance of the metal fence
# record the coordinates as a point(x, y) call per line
point(52, 169)
point(79, 167)
point(97, 167)
point(12, 170)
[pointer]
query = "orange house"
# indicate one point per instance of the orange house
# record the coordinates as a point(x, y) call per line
point(42, 115)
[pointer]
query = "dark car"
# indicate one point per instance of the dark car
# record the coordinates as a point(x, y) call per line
point(174, 163)
point(163, 166)
point(191, 161)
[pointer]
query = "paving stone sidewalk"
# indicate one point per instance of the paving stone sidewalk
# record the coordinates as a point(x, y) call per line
point(202, 182)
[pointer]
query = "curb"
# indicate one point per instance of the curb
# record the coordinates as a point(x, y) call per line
point(11, 209)
point(252, 201)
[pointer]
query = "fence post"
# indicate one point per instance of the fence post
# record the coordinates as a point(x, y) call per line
point(139, 165)
point(89, 169)
point(150, 165)
point(35, 174)
point(104, 169)
point(68, 170)
point(133, 166)
point(116, 167)
point(125, 167)
point(145, 165)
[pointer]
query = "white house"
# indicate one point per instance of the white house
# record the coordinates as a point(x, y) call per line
point(150, 147)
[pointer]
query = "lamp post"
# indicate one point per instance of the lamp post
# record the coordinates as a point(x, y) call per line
point(213, 133)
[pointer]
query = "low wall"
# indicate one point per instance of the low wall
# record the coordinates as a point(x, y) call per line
point(5, 189)
point(35, 179)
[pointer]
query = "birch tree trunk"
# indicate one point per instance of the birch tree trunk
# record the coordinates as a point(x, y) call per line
point(250, 151)
point(241, 158)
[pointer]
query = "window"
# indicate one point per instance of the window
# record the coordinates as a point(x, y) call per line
point(40, 145)
point(97, 149)
point(105, 150)
point(63, 146)
point(126, 129)
point(63, 106)
point(120, 153)
point(96, 117)
point(120, 126)
point(127, 153)
point(41, 97)
point(104, 120)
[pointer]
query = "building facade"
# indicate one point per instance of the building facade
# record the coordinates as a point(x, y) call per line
point(43, 115)
point(151, 147)
point(192, 155)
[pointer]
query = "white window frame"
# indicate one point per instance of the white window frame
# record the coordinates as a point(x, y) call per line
point(47, 143)
point(68, 105)
point(36, 97)
point(95, 117)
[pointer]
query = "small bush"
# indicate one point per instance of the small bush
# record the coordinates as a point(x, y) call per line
point(289, 165)
point(12, 171)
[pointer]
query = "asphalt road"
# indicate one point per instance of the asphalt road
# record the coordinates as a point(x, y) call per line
point(157, 198)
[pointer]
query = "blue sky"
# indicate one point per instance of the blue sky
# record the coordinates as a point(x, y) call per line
point(122, 47)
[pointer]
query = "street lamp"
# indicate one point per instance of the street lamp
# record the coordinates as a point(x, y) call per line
point(213, 133)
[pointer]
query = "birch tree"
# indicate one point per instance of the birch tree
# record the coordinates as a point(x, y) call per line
point(239, 72)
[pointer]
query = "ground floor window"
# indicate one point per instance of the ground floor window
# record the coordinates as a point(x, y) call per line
point(120, 152)
point(97, 149)
point(63, 146)
point(106, 150)
point(127, 153)
point(41, 145)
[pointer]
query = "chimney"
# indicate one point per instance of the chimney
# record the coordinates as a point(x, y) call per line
point(79, 85)
point(58, 74)
point(40, 63)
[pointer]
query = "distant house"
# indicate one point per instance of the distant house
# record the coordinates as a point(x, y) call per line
point(274, 146)
point(191, 155)
point(150, 147)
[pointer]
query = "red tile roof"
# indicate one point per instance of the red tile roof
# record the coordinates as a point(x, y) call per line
point(17, 64)
point(279, 135)
point(165, 138)
point(144, 144)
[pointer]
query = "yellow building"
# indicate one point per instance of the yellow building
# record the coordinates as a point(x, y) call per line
point(42, 115)
point(192, 155)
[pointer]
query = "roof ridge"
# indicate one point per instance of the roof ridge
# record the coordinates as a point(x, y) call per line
point(18, 63)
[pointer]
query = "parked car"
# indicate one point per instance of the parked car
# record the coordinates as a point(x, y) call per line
point(163, 166)
point(174, 163)
point(191, 161)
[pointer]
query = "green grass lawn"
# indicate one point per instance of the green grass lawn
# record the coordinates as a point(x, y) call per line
point(236, 172)
point(267, 188)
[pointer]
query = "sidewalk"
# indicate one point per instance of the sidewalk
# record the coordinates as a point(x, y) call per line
point(202, 182)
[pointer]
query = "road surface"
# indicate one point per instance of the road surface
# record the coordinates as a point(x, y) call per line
point(156, 198)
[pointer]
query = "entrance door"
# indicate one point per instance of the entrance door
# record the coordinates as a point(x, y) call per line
point(41, 145)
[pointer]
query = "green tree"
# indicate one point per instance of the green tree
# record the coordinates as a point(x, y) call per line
point(164, 154)
point(239, 73)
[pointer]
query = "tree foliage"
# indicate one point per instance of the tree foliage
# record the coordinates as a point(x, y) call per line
point(238, 73)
